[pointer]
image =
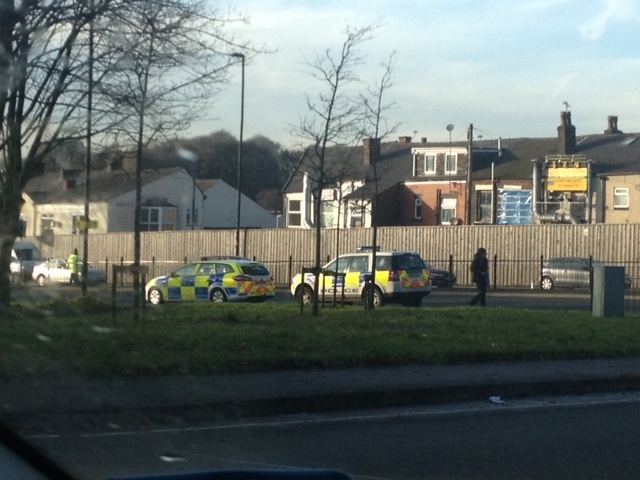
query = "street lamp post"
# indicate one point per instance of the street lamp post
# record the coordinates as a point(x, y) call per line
point(240, 56)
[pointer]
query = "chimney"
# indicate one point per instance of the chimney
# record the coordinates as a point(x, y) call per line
point(371, 150)
point(423, 140)
point(404, 139)
point(566, 134)
point(68, 177)
point(612, 125)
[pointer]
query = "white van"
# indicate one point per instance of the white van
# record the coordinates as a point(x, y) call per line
point(25, 256)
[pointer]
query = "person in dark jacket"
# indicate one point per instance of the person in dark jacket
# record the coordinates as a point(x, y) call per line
point(480, 276)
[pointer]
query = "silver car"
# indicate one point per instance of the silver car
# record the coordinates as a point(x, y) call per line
point(57, 271)
point(570, 272)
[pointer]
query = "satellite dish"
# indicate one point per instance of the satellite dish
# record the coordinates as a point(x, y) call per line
point(450, 127)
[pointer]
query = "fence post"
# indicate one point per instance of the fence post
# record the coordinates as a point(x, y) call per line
point(290, 267)
point(122, 276)
point(494, 280)
point(451, 269)
point(540, 272)
point(153, 266)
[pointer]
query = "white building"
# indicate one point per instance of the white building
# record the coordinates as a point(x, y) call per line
point(54, 202)
point(221, 208)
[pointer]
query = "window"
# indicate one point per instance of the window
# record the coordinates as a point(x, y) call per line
point(195, 217)
point(447, 210)
point(451, 163)
point(205, 269)
point(339, 265)
point(620, 197)
point(222, 268)
point(294, 213)
point(417, 208)
point(356, 221)
point(157, 219)
point(359, 264)
point(484, 206)
point(328, 215)
point(430, 164)
point(46, 223)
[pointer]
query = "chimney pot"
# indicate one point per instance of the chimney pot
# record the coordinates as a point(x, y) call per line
point(566, 134)
point(612, 125)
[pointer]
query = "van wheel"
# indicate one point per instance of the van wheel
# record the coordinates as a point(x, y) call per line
point(378, 298)
point(305, 295)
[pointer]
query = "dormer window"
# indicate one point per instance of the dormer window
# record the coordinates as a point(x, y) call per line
point(430, 164)
point(450, 163)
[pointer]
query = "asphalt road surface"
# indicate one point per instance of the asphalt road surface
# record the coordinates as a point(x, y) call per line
point(439, 297)
point(555, 438)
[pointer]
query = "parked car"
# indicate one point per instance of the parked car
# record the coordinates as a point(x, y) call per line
point(224, 280)
point(442, 278)
point(56, 270)
point(401, 277)
point(570, 272)
point(24, 257)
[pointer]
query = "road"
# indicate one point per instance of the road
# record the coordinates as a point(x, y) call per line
point(439, 297)
point(554, 438)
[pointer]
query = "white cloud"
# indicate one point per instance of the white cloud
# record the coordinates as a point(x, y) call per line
point(613, 10)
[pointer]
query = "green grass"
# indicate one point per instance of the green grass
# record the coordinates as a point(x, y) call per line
point(81, 336)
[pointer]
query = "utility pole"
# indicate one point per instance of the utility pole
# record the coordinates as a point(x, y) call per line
point(469, 220)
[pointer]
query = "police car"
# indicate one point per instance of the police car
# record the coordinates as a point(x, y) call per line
point(224, 280)
point(401, 277)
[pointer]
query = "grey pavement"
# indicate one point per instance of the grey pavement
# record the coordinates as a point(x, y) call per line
point(305, 391)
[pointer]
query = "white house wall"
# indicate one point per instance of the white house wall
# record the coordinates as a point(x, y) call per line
point(344, 215)
point(175, 189)
point(221, 206)
point(62, 216)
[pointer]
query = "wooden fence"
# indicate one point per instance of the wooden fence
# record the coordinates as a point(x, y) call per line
point(516, 250)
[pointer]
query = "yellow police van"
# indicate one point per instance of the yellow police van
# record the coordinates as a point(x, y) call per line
point(223, 280)
point(401, 277)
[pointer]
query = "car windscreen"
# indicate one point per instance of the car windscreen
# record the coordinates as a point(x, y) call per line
point(408, 262)
point(254, 269)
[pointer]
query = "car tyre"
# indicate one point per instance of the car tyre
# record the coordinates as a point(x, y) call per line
point(155, 297)
point(217, 296)
point(378, 298)
point(305, 295)
point(546, 283)
point(42, 280)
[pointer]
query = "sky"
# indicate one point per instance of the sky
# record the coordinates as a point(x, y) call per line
point(505, 66)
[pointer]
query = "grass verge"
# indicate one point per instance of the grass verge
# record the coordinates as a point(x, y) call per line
point(81, 336)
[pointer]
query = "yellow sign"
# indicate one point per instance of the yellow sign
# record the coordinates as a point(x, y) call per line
point(569, 172)
point(86, 224)
point(567, 185)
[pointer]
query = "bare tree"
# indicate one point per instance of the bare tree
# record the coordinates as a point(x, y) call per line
point(377, 127)
point(169, 68)
point(44, 72)
point(40, 63)
point(334, 118)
